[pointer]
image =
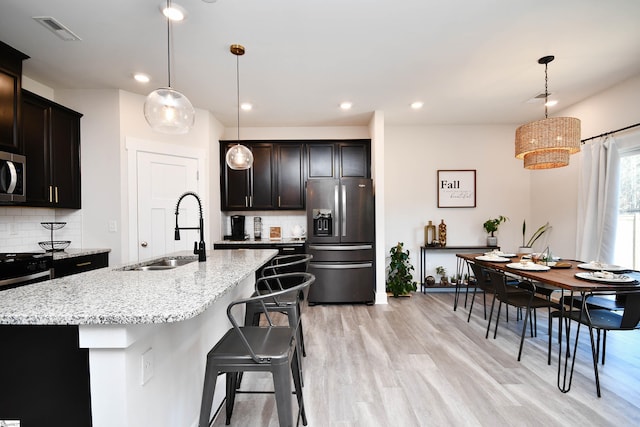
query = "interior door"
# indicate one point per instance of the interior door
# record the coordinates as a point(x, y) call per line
point(161, 180)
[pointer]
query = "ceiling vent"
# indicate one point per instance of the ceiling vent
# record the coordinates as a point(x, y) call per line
point(537, 98)
point(57, 28)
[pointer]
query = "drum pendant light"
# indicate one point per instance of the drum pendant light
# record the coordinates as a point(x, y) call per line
point(547, 143)
point(238, 157)
point(165, 109)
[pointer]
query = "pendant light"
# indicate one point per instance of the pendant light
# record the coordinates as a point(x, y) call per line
point(238, 157)
point(165, 109)
point(547, 143)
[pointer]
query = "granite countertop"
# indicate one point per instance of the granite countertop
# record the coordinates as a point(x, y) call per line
point(112, 296)
point(283, 241)
point(72, 253)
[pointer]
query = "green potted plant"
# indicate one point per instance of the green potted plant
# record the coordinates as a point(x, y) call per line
point(442, 272)
point(399, 278)
point(491, 226)
point(527, 247)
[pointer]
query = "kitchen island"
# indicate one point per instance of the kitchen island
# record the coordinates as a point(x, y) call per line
point(147, 333)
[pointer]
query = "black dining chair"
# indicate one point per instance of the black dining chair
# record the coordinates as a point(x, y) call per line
point(267, 348)
point(483, 282)
point(526, 299)
point(600, 313)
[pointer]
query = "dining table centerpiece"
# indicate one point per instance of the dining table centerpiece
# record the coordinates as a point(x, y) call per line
point(527, 247)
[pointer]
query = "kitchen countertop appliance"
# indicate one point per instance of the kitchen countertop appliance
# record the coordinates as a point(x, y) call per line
point(18, 269)
point(341, 235)
point(237, 228)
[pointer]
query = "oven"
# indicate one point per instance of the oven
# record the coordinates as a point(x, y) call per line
point(18, 269)
point(12, 177)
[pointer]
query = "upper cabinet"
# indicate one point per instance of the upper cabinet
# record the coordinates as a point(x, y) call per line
point(10, 84)
point(276, 181)
point(51, 143)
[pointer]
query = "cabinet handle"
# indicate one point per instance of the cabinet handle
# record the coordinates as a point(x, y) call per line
point(278, 201)
point(51, 194)
point(56, 194)
point(250, 201)
point(83, 264)
point(246, 201)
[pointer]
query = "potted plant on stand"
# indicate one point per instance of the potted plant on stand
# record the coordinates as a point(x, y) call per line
point(399, 278)
point(527, 247)
point(442, 272)
point(491, 226)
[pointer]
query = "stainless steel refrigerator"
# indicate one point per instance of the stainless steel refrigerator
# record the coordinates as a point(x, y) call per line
point(340, 236)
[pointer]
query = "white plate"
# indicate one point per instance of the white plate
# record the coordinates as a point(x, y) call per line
point(500, 254)
point(492, 258)
point(528, 266)
point(617, 278)
point(596, 266)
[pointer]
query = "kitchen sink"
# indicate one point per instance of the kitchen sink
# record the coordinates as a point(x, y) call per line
point(162, 264)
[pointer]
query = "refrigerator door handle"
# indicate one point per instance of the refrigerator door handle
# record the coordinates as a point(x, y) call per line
point(341, 266)
point(336, 198)
point(344, 211)
point(340, 247)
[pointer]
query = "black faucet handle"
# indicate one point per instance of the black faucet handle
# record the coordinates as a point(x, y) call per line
point(195, 248)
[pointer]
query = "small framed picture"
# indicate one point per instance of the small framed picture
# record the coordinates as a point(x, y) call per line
point(457, 188)
point(275, 233)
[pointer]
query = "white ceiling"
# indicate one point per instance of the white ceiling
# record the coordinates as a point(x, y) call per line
point(469, 61)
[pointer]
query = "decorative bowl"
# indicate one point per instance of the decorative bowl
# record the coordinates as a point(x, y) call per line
point(54, 246)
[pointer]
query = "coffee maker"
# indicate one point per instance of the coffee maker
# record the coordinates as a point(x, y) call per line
point(237, 227)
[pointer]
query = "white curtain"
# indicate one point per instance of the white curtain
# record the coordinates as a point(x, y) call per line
point(598, 189)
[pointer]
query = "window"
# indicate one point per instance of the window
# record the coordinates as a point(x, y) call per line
point(627, 252)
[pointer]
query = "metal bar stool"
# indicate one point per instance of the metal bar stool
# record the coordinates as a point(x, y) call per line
point(257, 348)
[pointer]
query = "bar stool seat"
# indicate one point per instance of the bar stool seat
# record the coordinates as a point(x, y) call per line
point(257, 348)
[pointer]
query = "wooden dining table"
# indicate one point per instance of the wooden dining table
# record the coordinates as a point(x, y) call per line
point(562, 280)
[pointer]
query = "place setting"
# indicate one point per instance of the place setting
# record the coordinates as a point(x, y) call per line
point(495, 256)
point(605, 273)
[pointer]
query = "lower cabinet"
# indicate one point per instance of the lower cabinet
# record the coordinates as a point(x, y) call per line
point(74, 265)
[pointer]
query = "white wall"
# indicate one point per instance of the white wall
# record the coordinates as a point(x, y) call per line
point(412, 157)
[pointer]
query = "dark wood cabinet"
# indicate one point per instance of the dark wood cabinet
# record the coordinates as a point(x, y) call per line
point(74, 265)
point(10, 98)
point(348, 159)
point(290, 176)
point(250, 189)
point(51, 143)
point(276, 181)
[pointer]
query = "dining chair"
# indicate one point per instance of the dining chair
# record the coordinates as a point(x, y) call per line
point(483, 282)
point(525, 299)
point(598, 313)
point(267, 348)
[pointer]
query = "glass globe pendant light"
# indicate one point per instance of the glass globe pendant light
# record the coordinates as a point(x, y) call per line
point(239, 157)
point(165, 109)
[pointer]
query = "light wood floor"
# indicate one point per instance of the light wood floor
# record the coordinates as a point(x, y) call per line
point(416, 362)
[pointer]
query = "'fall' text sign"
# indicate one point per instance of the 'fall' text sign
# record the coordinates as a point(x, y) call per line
point(456, 188)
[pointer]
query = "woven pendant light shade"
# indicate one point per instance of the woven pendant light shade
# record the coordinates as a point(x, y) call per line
point(546, 159)
point(555, 133)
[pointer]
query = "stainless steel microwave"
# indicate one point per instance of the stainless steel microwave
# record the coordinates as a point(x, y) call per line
point(12, 177)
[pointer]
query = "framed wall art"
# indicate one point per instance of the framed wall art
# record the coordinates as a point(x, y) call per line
point(457, 188)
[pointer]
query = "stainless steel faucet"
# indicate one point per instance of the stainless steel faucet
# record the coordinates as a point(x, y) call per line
point(198, 247)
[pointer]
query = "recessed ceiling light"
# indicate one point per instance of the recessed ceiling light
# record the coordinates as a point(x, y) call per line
point(174, 13)
point(246, 106)
point(141, 77)
point(551, 103)
point(417, 105)
point(346, 105)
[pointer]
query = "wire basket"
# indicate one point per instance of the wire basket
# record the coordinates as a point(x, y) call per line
point(55, 246)
point(53, 225)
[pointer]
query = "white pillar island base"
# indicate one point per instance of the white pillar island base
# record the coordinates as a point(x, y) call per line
point(166, 320)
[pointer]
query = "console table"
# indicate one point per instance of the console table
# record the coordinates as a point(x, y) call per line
point(456, 249)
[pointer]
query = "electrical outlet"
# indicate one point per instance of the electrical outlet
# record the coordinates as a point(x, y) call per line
point(148, 365)
point(113, 226)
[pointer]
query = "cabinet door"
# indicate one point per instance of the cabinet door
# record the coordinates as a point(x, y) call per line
point(262, 172)
point(10, 98)
point(321, 161)
point(290, 179)
point(65, 158)
point(354, 160)
point(234, 184)
point(35, 141)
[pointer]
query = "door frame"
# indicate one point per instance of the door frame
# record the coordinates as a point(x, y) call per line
point(133, 146)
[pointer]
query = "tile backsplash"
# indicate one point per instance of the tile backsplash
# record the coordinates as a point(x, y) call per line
point(286, 221)
point(20, 228)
